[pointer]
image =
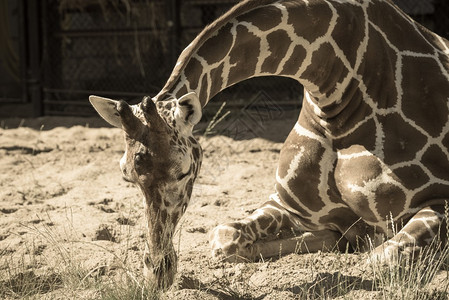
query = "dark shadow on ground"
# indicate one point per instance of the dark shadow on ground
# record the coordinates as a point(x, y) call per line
point(51, 122)
point(246, 124)
point(331, 285)
point(223, 293)
point(240, 124)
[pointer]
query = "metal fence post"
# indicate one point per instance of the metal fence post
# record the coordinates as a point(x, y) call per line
point(33, 65)
point(174, 28)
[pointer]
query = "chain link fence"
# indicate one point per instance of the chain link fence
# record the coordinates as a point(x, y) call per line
point(114, 48)
point(125, 49)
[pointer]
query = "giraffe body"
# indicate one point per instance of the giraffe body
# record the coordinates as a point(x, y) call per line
point(370, 145)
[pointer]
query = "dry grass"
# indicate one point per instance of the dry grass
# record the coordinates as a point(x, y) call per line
point(26, 274)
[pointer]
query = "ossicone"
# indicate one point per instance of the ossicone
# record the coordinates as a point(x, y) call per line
point(131, 124)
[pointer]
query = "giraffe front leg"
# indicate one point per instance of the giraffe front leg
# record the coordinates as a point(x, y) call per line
point(236, 241)
point(232, 242)
point(258, 236)
point(306, 242)
point(428, 227)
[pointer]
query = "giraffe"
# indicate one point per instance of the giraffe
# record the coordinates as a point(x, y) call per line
point(369, 148)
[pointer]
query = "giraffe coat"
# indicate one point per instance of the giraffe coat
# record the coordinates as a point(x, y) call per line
point(370, 146)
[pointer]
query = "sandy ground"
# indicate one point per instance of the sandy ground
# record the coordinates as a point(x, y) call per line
point(63, 203)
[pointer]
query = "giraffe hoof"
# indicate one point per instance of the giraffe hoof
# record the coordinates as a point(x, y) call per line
point(228, 244)
point(389, 254)
point(384, 254)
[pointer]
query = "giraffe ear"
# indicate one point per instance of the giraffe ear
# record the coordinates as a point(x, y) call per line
point(189, 109)
point(107, 109)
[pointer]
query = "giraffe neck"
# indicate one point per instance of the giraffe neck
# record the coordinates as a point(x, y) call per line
point(259, 38)
point(350, 60)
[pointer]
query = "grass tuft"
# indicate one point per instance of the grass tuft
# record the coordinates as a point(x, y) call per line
point(412, 277)
point(216, 119)
point(28, 273)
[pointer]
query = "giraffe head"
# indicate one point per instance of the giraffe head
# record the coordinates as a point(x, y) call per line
point(162, 159)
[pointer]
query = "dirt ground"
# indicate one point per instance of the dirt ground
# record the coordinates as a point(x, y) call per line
point(62, 197)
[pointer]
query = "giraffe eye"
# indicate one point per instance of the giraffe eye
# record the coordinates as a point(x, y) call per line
point(138, 158)
point(182, 176)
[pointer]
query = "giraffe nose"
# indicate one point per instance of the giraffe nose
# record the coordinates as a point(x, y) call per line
point(125, 174)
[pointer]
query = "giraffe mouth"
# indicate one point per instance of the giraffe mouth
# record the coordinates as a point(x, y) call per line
point(164, 265)
point(126, 179)
point(163, 272)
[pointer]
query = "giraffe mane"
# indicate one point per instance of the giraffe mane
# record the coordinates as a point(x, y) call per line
point(237, 10)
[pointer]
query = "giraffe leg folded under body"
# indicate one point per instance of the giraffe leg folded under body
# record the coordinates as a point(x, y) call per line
point(262, 235)
point(307, 242)
point(427, 228)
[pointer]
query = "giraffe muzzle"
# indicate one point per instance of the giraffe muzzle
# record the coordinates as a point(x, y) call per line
point(161, 273)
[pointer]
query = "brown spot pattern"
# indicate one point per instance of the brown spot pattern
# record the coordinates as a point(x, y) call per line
point(182, 91)
point(436, 191)
point(193, 71)
point(446, 141)
point(279, 43)
point(389, 199)
point(243, 55)
point(342, 218)
point(264, 19)
point(204, 86)
point(253, 228)
point(293, 64)
point(312, 22)
point(326, 70)
point(357, 170)
point(307, 180)
point(264, 221)
point(359, 203)
point(217, 79)
point(359, 137)
point(378, 69)
point(333, 193)
point(349, 21)
point(437, 162)
point(217, 47)
point(290, 202)
point(411, 177)
point(400, 31)
point(352, 110)
point(402, 141)
point(273, 226)
point(426, 92)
